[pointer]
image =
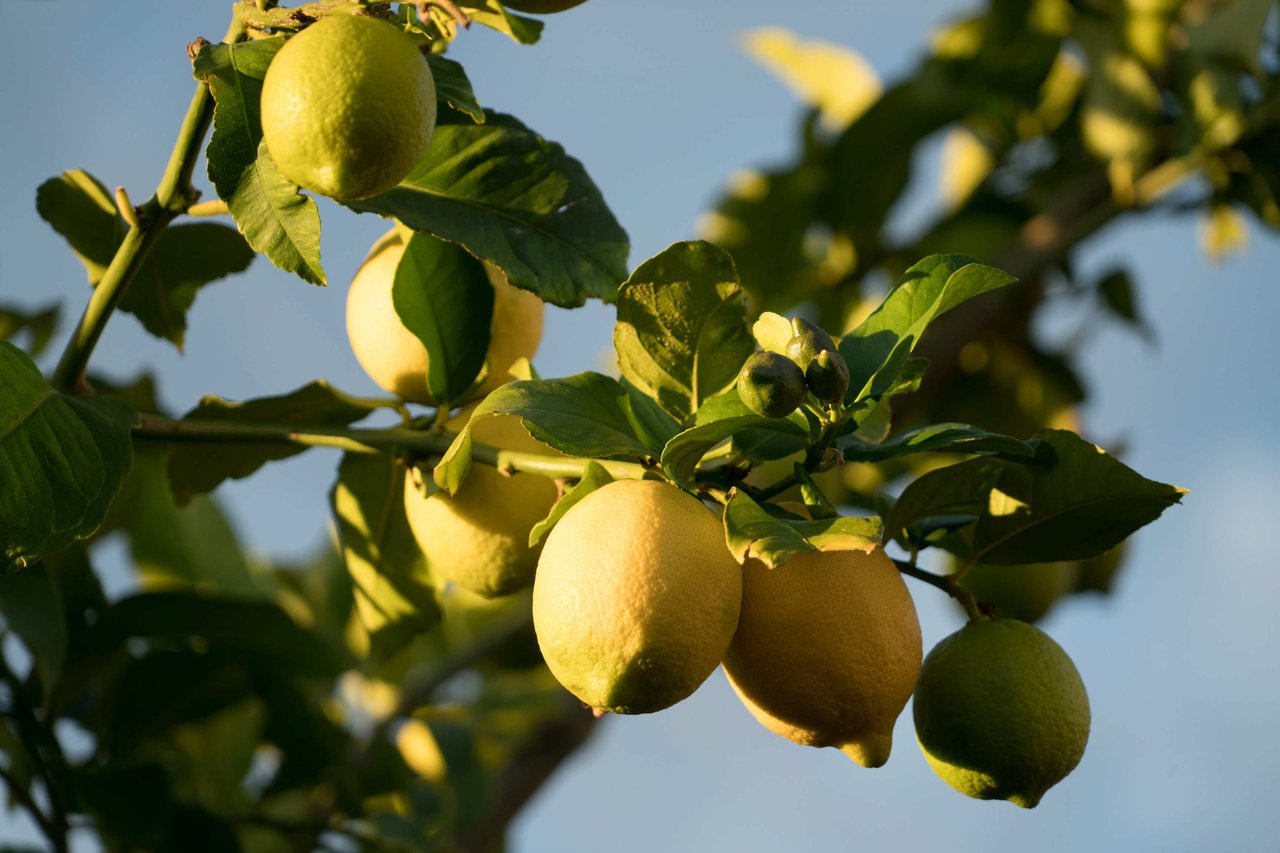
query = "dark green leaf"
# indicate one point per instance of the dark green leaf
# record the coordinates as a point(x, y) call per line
point(491, 13)
point(589, 415)
point(394, 594)
point(722, 417)
point(682, 332)
point(444, 297)
point(512, 198)
point(454, 87)
point(752, 533)
point(957, 490)
point(165, 688)
point(879, 348)
point(936, 438)
point(1119, 297)
point(32, 609)
point(83, 211)
point(193, 546)
point(820, 508)
point(1075, 502)
point(271, 213)
point(61, 461)
point(1082, 506)
point(199, 467)
point(38, 325)
point(186, 258)
point(593, 478)
point(255, 630)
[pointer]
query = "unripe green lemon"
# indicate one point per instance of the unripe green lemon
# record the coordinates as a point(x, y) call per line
point(1025, 593)
point(395, 358)
point(771, 385)
point(1001, 712)
point(828, 376)
point(348, 107)
point(827, 650)
point(543, 7)
point(807, 342)
point(479, 537)
point(636, 597)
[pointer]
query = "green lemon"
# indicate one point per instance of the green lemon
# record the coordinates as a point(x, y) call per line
point(348, 107)
point(771, 385)
point(1001, 712)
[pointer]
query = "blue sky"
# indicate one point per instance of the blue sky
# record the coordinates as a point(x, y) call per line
point(658, 102)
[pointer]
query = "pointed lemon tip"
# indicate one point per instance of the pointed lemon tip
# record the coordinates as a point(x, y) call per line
point(871, 751)
point(1027, 801)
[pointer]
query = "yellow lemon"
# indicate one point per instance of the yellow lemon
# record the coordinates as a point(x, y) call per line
point(1001, 712)
point(636, 597)
point(348, 107)
point(393, 356)
point(479, 537)
point(827, 650)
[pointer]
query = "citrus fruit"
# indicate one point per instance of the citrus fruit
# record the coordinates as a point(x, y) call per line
point(1001, 712)
point(636, 597)
point(827, 650)
point(479, 537)
point(771, 385)
point(393, 356)
point(1025, 593)
point(348, 107)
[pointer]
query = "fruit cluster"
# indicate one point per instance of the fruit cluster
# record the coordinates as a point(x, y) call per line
point(774, 384)
point(637, 599)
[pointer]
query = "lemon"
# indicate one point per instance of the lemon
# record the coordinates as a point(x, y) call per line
point(348, 107)
point(1001, 712)
point(827, 650)
point(479, 537)
point(393, 356)
point(1025, 593)
point(636, 597)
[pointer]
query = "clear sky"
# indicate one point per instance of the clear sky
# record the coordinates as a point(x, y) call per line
point(659, 103)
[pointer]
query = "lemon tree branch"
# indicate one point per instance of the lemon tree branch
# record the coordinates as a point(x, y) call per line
point(946, 583)
point(173, 195)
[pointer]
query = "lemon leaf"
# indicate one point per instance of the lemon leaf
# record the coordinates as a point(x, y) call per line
point(751, 532)
point(394, 595)
point(587, 415)
point(833, 78)
point(185, 257)
point(593, 478)
point(879, 348)
point(62, 459)
point(682, 333)
point(199, 467)
point(512, 198)
point(936, 438)
point(444, 297)
point(274, 217)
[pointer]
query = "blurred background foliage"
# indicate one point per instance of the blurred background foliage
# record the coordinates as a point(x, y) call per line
point(234, 704)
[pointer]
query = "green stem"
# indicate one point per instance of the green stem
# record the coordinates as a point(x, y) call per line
point(948, 584)
point(356, 440)
point(173, 195)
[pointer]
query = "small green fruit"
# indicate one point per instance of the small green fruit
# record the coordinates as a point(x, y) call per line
point(808, 341)
point(828, 376)
point(771, 385)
